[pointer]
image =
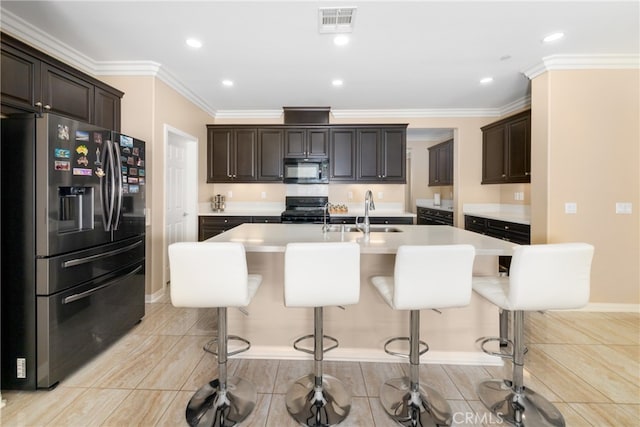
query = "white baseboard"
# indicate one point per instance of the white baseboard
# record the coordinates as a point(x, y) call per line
point(156, 296)
point(372, 355)
point(611, 307)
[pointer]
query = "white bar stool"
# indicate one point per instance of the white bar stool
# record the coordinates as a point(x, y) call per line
point(318, 275)
point(207, 274)
point(542, 277)
point(425, 277)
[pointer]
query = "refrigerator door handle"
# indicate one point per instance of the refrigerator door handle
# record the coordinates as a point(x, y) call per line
point(112, 177)
point(85, 260)
point(118, 175)
point(104, 201)
point(85, 294)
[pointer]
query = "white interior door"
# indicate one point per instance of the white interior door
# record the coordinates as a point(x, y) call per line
point(181, 188)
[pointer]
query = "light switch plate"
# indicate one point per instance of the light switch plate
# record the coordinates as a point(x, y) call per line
point(570, 208)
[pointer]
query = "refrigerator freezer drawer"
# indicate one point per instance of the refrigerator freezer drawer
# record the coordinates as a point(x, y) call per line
point(77, 324)
point(62, 272)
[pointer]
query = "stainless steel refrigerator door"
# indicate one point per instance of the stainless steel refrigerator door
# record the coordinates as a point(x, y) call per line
point(69, 168)
point(130, 218)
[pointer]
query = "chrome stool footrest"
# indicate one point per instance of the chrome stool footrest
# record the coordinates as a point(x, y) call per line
point(505, 354)
point(306, 337)
point(425, 347)
point(211, 406)
point(214, 342)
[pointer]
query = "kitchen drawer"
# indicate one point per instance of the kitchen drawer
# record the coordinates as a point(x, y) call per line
point(266, 219)
point(427, 216)
point(390, 220)
point(209, 226)
point(512, 227)
point(476, 224)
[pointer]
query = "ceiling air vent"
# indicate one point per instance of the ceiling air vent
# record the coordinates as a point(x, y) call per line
point(336, 19)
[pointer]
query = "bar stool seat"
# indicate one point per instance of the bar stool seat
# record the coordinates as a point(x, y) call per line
point(319, 275)
point(425, 277)
point(542, 277)
point(214, 274)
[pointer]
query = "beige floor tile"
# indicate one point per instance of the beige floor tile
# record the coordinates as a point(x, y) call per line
point(137, 365)
point(571, 416)
point(173, 370)
point(624, 360)
point(152, 320)
point(289, 371)
point(435, 377)
point(32, 408)
point(140, 408)
point(549, 327)
point(605, 415)
point(258, 417)
point(360, 413)
point(594, 371)
point(466, 379)
point(375, 374)
point(182, 320)
point(530, 381)
point(262, 373)
point(278, 414)
point(88, 375)
point(567, 385)
point(206, 324)
point(349, 373)
point(380, 416)
point(473, 413)
point(91, 408)
point(602, 328)
point(206, 371)
point(174, 415)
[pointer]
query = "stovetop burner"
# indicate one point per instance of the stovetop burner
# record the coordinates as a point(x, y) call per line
point(304, 209)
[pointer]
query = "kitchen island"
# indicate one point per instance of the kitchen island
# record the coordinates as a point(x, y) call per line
point(363, 328)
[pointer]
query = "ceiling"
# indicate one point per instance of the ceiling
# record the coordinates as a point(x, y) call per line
point(425, 57)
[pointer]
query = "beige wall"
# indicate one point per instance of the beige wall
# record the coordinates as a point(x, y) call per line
point(147, 106)
point(585, 149)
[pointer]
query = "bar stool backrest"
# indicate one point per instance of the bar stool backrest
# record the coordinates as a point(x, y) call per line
point(550, 276)
point(321, 274)
point(208, 274)
point(432, 276)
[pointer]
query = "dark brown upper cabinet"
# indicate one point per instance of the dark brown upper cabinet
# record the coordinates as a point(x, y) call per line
point(441, 164)
point(506, 150)
point(342, 154)
point(270, 153)
point(307, 142)
point(35, 82)
point(231, 155)
point(381, 154)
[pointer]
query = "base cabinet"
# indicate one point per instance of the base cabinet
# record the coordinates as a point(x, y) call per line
point(509, 231)
point(209, 226)
point(427, 216)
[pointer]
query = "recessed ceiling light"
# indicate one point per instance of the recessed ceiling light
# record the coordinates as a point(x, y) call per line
point(341, 40)
point(486, 80)
point(553, 37)
point(337, 82)
point(194, 43)
point(227, 83)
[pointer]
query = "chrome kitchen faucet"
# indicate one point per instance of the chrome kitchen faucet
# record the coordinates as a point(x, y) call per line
point(368, 204)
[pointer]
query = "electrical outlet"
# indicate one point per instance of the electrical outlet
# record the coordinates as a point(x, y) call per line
point(350, 195)
point(624, 208)
point(229, 194)
point(570, 208)
point(263, 194)
point(380, 194)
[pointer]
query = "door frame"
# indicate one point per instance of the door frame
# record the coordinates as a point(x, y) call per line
point(176, 136)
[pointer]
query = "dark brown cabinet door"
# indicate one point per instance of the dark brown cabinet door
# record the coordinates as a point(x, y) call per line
point(394, 155)
point(368, 166)
point(270, 143)
point(441, 164)
point(231, 155)
point(506, 150)
point(304, 142)
point(67, 94)
point(107, 110)
point(342, 154)
point(493, 170)
point(20, 79)
point(519, 150)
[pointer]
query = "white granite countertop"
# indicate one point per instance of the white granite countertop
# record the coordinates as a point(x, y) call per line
point(276, 208)
point(274, 238)
point(445, 204)
point(519, 214)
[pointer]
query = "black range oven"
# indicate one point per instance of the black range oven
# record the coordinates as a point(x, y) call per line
point(305, 209)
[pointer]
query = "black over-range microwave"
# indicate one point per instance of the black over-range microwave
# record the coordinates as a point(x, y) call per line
point(306, 171)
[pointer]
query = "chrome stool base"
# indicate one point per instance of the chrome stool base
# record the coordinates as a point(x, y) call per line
point(527, 408)
point(318, 406)
point(210, 407)
point(425, 407)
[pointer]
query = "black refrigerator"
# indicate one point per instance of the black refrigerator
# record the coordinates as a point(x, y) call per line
point(73, 245)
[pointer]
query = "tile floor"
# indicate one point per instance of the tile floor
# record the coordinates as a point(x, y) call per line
point(588, 364)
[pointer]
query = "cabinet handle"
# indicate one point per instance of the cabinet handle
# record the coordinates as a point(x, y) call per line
point(504, 175)
point(47, 107)
point(506, 227)
point(38, 104)
point(527, 173)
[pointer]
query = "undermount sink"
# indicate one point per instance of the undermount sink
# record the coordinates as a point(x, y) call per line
point(353, 228)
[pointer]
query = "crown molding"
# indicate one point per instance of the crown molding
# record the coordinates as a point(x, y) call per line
point(249, 114)
point(583, 62)
point(417, 113)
